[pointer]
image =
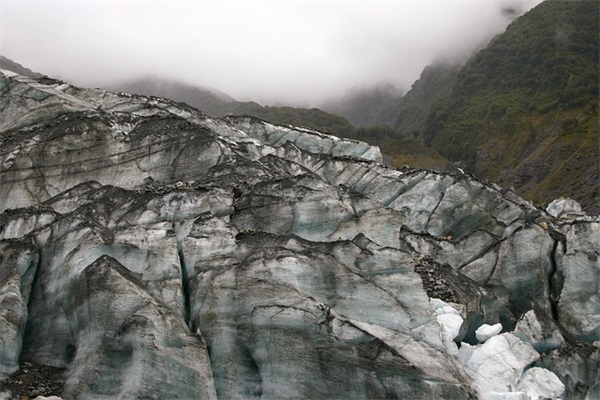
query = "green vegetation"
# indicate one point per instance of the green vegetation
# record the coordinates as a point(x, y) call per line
point(434, 84)
point(546, 63)
point(524, 111)
point(399, 152)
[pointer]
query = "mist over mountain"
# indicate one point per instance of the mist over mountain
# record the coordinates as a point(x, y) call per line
point(432, 87)
point(524, 110)
point(209, 101)
point(505, 115)
point(368, 106)
point(217, 104)
point(296, 54)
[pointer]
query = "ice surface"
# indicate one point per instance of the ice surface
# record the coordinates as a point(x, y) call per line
point(543, 334)
point(539, 383)
point(563, 208)
point(497, 364)
point(138, 232)
point(450, 320)
point(485, 331)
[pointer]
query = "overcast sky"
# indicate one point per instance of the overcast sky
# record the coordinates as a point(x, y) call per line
point(298, 52)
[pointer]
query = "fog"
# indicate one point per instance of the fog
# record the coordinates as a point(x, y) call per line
point(294, 52)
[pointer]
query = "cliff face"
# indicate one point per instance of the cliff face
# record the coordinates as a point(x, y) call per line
point(153, 252)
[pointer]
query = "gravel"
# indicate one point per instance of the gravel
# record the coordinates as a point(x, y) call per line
point(33, 380)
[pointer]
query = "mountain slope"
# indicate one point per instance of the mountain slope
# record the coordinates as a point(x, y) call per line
point(7, 63)
point(207, 100)
point(218, 105)
point(365, 107)
point(382, 106)
point(524, 111)
point(427, 93)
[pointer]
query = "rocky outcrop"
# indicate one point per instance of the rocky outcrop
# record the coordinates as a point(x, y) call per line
point(153, 252)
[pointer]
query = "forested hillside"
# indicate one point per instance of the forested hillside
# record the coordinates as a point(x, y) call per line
point(432, 87)
point(524, 111)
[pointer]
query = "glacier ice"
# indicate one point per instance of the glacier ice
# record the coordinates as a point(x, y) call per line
point(539, 383)
point(497, 365)
point(485, 331)
point(239, 258)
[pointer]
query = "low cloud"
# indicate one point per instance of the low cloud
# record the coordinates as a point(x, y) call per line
point(274, 52)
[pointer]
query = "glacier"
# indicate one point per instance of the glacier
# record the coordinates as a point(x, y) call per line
point(153, 252)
